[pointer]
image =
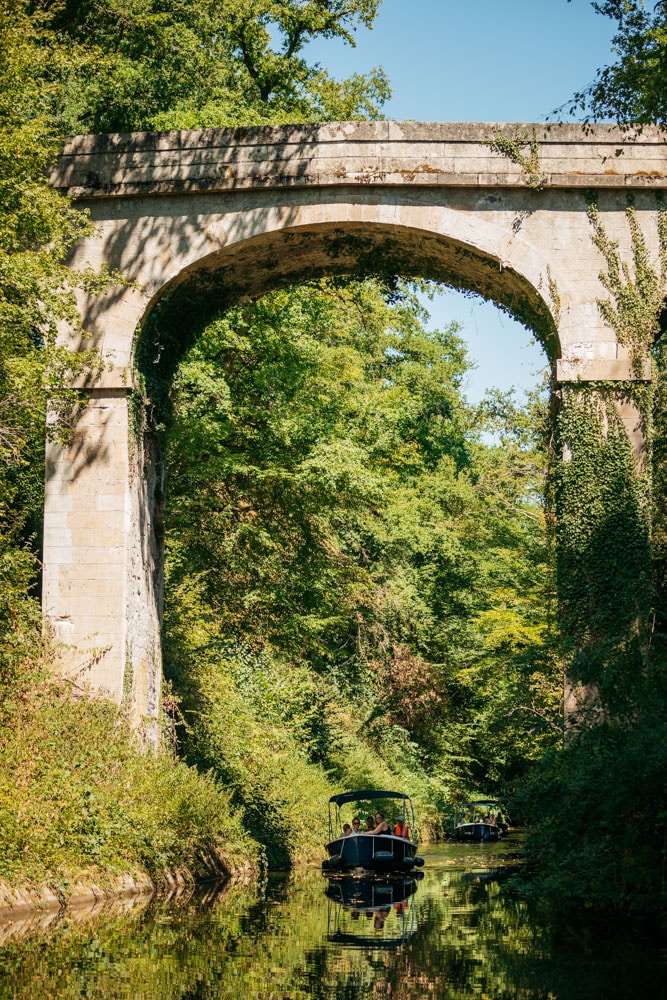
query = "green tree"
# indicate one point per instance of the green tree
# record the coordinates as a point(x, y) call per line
point(143, 64)
point(330, 500)
point(632, 90)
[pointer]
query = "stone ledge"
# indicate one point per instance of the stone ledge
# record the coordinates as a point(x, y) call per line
point(108, 378)
point(410, 154)
point(601, 370)
point(216, 184)
point(360, 131)
point(16, 901)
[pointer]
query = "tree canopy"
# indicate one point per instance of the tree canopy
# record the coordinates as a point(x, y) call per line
point(333, 506)
point(633, 90)
point(133, 65)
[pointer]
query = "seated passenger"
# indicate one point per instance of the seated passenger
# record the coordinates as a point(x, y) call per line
point(370, 823)
point(356, 824)
point(381, 825)
point(401, 828)
point(347, 829)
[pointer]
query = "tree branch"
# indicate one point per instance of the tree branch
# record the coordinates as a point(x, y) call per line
point(540, 713)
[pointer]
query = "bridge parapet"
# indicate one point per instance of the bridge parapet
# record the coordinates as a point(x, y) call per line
point(360, 153)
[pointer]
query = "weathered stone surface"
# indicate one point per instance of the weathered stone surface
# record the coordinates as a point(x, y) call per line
point(392, 153)
point(24, 909)
point(603, 370)
point(248, 210)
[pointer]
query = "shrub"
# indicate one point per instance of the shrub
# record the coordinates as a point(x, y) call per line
point(79, 798)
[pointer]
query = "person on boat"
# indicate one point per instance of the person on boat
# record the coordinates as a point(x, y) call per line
point(381, 825)
point(401, 828)
point(370, 823)
point(356, 825)
point(347, 830)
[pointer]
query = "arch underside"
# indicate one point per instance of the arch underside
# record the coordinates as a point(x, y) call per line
point(252, 267)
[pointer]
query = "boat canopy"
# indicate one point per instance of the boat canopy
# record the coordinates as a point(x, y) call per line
point(372, 793)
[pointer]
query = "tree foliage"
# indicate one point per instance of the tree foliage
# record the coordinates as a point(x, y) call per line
point(632, 90)
point(331, 501)
point(142, 64)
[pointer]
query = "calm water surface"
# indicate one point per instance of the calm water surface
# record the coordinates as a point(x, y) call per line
point(455, 933)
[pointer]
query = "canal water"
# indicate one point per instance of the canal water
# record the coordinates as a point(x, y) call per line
point(457, 932)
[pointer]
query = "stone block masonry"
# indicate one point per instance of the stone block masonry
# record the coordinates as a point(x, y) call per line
point(237, 212)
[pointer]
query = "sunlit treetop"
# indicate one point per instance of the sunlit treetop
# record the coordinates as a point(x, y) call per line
point(632, 90)
point(144, 64)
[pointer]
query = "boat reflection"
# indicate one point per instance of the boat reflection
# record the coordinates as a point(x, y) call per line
point(371, 912)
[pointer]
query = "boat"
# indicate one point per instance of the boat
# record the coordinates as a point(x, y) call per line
point(480, 820)
point(372, 852)
point(371, 911)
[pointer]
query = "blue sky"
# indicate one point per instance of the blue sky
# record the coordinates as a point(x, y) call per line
point(481, 60)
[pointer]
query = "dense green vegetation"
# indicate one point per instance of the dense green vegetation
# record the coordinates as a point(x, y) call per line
point(360, 573)
point(348, 564)
point(599, 806)
point(358, 587)
point(632, 90)
point(79, 802)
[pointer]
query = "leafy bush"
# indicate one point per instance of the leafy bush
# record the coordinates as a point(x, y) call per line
point(78, 798)
point(598, 810)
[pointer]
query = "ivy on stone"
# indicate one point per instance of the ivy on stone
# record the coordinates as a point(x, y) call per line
point(514, 148)
point(637, 292)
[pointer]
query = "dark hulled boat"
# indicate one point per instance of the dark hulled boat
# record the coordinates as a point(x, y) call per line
point(479, 821)
point(373, 852)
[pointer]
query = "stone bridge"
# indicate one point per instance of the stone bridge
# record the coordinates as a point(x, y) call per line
point(213, 216)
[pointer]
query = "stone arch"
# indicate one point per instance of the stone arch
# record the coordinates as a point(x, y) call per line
point(223, 213)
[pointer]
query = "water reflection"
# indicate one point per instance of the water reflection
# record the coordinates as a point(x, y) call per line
point(362, 909)
point(455, 934)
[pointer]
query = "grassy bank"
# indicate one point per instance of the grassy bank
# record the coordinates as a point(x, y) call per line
point(80, 800)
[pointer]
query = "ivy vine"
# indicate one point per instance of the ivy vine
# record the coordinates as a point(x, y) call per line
point(637, 292)
point(603, 534)
point(523, 150)
point(602, 495)
point(554, 295)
